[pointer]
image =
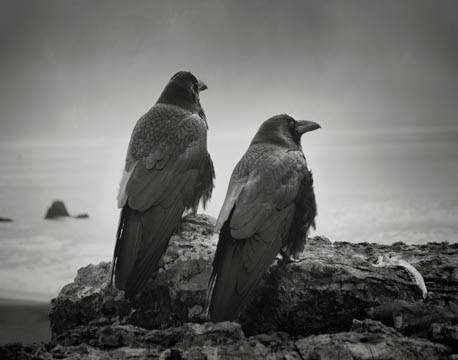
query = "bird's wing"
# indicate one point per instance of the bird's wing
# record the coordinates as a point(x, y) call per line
point(272, 185)
point(160, 181)
point(264, 207)
point(304, 217)
point(169, 157)
point(236, 185)
point(259, 172)
point(256, 227)
point(173, 149)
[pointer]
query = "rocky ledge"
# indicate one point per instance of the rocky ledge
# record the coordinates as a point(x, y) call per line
point(339, 300)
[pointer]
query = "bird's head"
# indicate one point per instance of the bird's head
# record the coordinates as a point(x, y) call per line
point(183, 90)
point(187, 81)
point(284, 130)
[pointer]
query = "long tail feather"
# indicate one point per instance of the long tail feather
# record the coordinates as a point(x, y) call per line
point(142, 240)
point(239, 264)
point(128, 240)
point(161, 223)
point(231, 285)
point(223, 281)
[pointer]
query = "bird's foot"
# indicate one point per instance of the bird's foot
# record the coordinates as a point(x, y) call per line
point(285, 259)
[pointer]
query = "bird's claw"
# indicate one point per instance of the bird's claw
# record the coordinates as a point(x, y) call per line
point(285, 259)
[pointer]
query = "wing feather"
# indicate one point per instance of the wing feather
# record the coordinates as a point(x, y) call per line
point(122, 195)
point(272, 186)
point(235, 188)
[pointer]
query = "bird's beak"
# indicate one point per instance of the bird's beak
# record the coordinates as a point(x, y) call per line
point(304, 126)
point(202, 86)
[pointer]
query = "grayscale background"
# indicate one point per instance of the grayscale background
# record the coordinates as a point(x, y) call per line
point(381, 77)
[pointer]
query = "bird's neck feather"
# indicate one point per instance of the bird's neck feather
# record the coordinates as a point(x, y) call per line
point(276, 139)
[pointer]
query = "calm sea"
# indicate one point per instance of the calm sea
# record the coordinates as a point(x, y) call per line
point(377, 188)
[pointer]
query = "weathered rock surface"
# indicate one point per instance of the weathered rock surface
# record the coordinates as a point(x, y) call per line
point(329, 286)
point(332, 303)
point(56, 210)
point(333, 284)
point(175, 295)
point(367, 340)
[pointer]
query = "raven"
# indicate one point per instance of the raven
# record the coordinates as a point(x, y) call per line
point(168, 170)
point(269, 208)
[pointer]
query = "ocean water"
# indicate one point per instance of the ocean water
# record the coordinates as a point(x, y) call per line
point(37, 256)
point(369, 187)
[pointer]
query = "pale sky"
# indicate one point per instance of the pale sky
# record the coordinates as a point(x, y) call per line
point(381, 77)
point(82, 68)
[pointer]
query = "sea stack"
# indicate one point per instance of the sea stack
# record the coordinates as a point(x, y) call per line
point(56, 210)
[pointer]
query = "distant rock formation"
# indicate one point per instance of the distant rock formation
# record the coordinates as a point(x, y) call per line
point(332, 303)
point(56, 210)
point(81, 216)
point(4, 219)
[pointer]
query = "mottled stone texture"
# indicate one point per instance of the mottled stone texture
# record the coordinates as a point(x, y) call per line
point(368, 340)
point(175, 295)
point(332, 284)
point(331, 304)
point(328, 287)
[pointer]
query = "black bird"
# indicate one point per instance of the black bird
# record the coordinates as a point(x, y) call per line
point(167, 171)
point(269, 208)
